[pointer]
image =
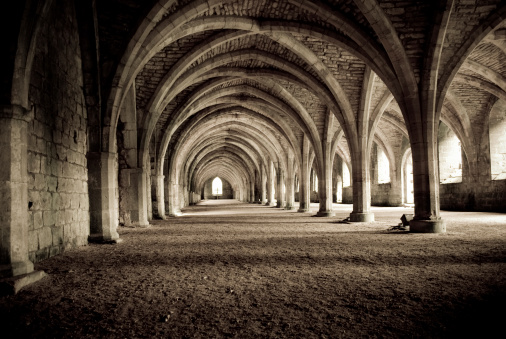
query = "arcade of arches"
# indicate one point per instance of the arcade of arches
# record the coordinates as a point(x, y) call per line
point(116, 112)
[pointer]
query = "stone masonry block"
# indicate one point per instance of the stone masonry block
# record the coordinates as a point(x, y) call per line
point(84, 202)
point(40, 182)
point(65, 199)
point(57, 236)
point(45, 237)
point(55, 250)
point(74, 201)
point(30, 221)
point(49, 218)
point(33, 241)
point(57, 137)
point(37, 220)
point(45, 165)
point(45, 201)
point(61, 152)
point(52, 183)
point(69, 217)
point(41, 146)
point(68, 235)
point(56, 203)
point(33, 163)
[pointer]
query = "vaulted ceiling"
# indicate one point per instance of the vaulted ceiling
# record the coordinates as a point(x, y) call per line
point(228, 84)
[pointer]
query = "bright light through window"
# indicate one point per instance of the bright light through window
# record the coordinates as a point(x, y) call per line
point(346, 176)
point(217, 186)
point(383, 167)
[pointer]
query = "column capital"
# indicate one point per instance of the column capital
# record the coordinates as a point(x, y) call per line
point(16, 112)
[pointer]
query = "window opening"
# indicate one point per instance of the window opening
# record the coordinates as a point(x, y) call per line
point(383, 167)
point(407, 178)
point(497, 135)
point(450, 156)
point(217, 186)
point(346, 176)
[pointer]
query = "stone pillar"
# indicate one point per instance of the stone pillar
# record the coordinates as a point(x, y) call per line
point(160, 196)
point(263, 182)
point(289, 184)
point(325, 189)
point(252, 191)
point(280, 195)
point(174, 208)
point(361, 189)
point(325, 173)
point(270, 184)
point(133, 199)
point(360, 158)
point(426, 190)
point(304, 189)
point(149, 196)
point(16, 270)
point(103, 209)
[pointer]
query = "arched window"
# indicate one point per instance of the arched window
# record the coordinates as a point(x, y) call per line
point(346, 176)
point(450, 156)
point(315, 184)
point(217, 186)
point(407, 178)
point(383, 167)
point(497, 135)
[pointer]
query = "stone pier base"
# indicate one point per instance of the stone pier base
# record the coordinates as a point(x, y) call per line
point(427, 226)
point(361, 217)
point(325, 214)
point(12, 285)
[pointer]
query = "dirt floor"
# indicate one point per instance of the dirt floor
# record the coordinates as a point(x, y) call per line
point(226, 269)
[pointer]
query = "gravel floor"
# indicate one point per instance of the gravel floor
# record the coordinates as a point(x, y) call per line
point(226, 269)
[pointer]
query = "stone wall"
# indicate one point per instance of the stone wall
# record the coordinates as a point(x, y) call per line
point(228, 192)
point(57, 142)
point(348, 195)
point(382, 195)
point(466, 196)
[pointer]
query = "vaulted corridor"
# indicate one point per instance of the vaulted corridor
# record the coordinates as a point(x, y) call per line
point(122, 118)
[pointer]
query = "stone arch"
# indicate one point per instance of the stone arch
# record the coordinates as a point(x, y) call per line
point(182, 148)
point(479, 33)
point(34, 14)
point(251, 106)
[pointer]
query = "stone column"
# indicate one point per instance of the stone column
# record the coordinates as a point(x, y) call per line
point(289, 184)
point(252, 191)
point(427, 218)
point(280, 195)
point(361, 189)
point(325, 175)
point(263, 182)
point(133, 200)
point(149, 197)
point(16, 270)
point(160, 196)
point(174, 208)
point(360, 158)
point(304, 189)
point(270, 184)
point(325, 189)
point(103, 209)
